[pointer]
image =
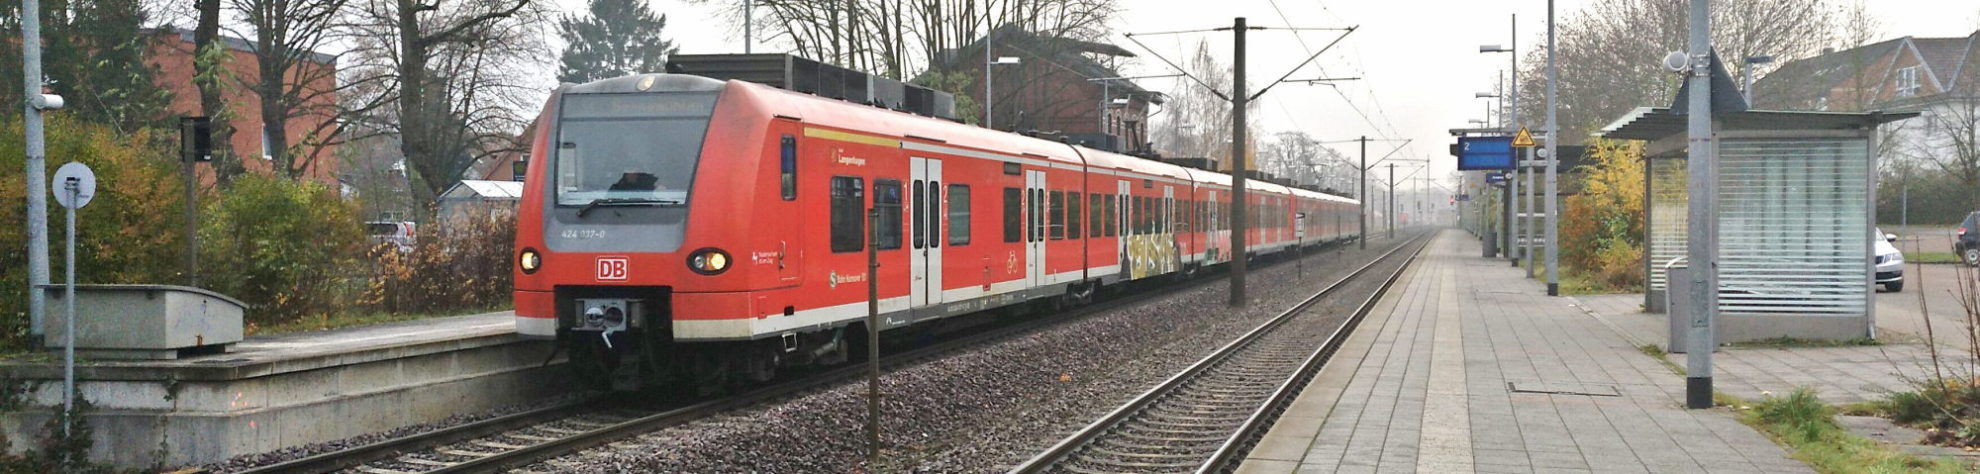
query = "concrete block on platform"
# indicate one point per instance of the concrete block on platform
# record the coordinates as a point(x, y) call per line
point(290, 390)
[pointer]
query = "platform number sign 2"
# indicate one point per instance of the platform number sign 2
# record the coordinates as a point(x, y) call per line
point(612, 268)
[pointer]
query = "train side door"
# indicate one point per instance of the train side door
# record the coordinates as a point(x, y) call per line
point(788, 231)
point(925, 206)
point(1034, 229)
point(1210, 227)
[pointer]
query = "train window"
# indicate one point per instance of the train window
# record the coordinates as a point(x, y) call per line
point(1035, 216)
point(1072, 215)
point(1147, 215)
point(1113, 218)
point(1168, 214)
point(934, 215)
point(1056, 227)
point(1133, 217)
point(958, 214)
point(848, 214)
point(1096, 214)
point(917, 198)
point(787, 159)
point(1013, 224)
point(887, 199)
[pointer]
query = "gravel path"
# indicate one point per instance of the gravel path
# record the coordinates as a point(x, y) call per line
point(986, 409)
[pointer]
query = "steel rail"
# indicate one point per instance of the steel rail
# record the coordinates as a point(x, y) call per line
point(357, 456)
point(1079, 440)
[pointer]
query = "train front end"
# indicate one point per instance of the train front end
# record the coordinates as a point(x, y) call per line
point(629, 230)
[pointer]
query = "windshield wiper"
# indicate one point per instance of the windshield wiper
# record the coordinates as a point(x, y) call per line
point(595, 203)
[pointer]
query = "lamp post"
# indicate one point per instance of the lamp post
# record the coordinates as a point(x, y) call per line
point(1513, 251)
point(1488, 116)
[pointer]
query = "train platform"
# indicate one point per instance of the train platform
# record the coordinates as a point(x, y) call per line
point(1467, 366)
point(1839, 374)
point(274, 392)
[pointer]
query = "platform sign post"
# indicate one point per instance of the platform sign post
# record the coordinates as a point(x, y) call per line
point(1299, 242)
point(74, 186)
point(873, 335)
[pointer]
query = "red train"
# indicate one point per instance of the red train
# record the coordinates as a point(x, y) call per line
point(680, 226)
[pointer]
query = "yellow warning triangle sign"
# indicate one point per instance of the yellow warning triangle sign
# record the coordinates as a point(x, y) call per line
point(1523, 140)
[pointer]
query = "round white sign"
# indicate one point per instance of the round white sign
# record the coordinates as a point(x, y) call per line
point(77, 177)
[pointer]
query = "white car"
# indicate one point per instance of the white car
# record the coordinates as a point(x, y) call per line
point(1890, 262)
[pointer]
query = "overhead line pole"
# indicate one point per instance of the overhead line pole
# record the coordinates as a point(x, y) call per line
point(1238, 102)
point(1553, 165)
point(37, 169)
point(1701, 222)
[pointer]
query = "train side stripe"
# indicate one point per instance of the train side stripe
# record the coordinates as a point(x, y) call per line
point(851, 137)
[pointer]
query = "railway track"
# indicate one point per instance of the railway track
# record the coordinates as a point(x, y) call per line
point(516, 440)
point(1206, 415)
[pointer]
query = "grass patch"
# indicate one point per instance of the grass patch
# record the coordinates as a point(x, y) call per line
point(349, 320)
point(1931, 257)
point(1808, 427)
point(1662, 357)
point(1790, 342)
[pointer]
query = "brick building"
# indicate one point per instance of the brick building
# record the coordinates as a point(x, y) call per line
point(172, 52)
point(1055, 88)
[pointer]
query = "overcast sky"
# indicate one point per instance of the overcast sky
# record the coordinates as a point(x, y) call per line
point(1418, 60)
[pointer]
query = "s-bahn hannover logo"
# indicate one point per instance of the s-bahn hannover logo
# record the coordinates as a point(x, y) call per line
point(612, 268)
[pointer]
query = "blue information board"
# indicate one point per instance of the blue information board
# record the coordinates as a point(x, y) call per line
point(1485, 153)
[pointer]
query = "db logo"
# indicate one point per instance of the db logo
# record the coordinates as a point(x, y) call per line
point(612, 268)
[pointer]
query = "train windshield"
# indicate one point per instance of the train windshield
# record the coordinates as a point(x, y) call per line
point(630, 149)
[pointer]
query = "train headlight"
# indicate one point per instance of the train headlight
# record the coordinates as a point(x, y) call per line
point(708, 261)
point(529, 261)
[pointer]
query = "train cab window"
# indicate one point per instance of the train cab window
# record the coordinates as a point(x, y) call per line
point(887, 198)
point(848, 214)
point(1056, 227)
point(1013, 207)
point(916, 201)
point(787, 165)
point(1072, 215)
point(958, 214)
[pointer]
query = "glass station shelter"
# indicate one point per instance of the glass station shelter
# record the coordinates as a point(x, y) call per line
point(1797, 212)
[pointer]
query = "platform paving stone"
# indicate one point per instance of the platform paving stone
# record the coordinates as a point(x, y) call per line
point(1427, 385)
point(1838, 375)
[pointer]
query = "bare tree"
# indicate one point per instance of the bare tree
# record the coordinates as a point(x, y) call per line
point(1196, 122)
point(1949, 135)
point(460, 73)
point(291, 78)
point(901, 37)
point(1610, 53)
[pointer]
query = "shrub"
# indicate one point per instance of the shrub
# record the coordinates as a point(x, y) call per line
point(1602, 227)
point(1800, 414)
point(461, 264)
point(129, 233)
point(286, 247)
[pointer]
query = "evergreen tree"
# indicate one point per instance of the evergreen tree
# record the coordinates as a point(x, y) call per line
point(94, 58)
point(615, 38)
